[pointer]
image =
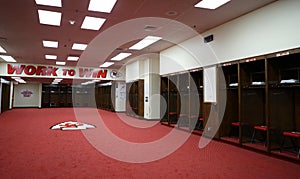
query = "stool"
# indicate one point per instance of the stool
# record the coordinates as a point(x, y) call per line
point(293, 136)
point(183, 120)
point(172, 115)
point(195, 122)
point(200, 123)
point(263, 130)
point(234, 125)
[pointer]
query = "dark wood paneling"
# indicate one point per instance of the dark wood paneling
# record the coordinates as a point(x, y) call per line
point(5, 97)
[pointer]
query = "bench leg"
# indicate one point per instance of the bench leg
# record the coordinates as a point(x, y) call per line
point(253, 135)
point(282, 144)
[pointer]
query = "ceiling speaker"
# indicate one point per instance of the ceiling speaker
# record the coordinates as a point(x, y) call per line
point(208, 38)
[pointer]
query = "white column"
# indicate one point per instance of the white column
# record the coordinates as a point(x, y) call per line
point(11, 94)
point(151, 88)
point(40, 95)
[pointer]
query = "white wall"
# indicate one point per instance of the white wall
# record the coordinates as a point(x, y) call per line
point(190, 54)
point(267, 30)
point(132, 71)
point(33, 100)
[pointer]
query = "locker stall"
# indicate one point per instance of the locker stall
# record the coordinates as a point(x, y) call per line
point(253, 100)
point(230, 126)
point(164, 88)
point(196, 100)
point(54, 95)
point(184, 100)
point(173, 102)
point(5, 97)
point(135, 98)
point(105, 97)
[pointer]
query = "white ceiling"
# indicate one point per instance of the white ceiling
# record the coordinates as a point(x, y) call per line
point(21, 34)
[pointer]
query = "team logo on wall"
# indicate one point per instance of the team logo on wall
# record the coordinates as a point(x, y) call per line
point(26, 93)
point(70, 125)
point(115, 74)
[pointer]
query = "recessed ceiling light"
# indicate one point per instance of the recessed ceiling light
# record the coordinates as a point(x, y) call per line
point(121, 56)
point(92, 23)
point(49, 17)
point(72, 58)
point(211, 4)
point(145, 42)
point(55, 3)
point(2, 50)
point(60, 63)
point(171, 13)
point(51, 57)
point(7, 58)
point(51, 44)
point(102, 5)
point(77, 46)
point(72, 22)
point(106, 64)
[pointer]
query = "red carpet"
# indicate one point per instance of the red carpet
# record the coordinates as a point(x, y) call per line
point(29, 149)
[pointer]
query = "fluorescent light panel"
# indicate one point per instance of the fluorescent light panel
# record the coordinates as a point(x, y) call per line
point(106, 84)
point(92, 23)
point(145, 42)
point(15, 77)
point(49, 17)
point(51, 57)
point(60, 63)
point(72, 58)
point(211, 4)
point(21, 81)
point(55, 3)
point(4, 81)
point(102, 5)
point(57, 80)
point(87, 83)
point(7, 58)
point(2, 50)
point(106, 64)
point(77, 46)
point(121, 56)
point(50, 44)
point(18, 79)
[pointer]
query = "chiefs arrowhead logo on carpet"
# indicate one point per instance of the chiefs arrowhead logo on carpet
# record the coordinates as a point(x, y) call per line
point(70, 125)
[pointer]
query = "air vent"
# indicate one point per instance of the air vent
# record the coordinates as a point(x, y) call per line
point(119, 49)
point(150, 28)
point(208, 38)
point(3, 39)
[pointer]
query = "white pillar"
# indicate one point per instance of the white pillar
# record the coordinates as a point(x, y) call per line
point(152, 88)
point(11, 94)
